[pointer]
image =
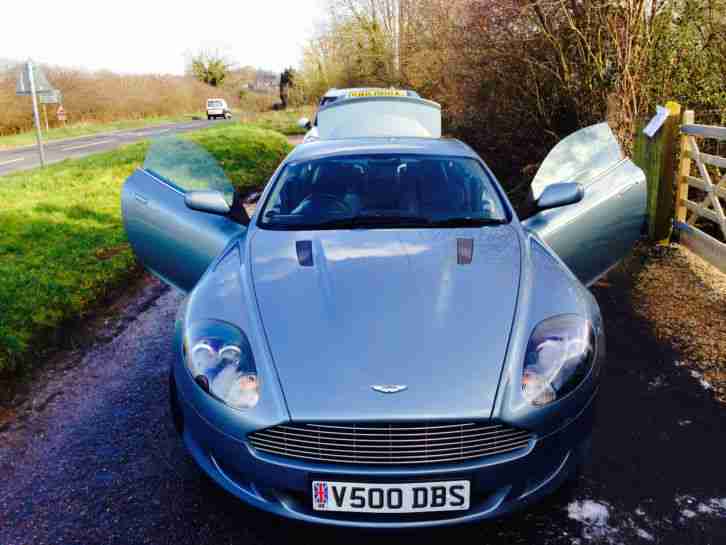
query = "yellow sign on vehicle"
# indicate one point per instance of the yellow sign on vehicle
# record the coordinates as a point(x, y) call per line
point(377, 93)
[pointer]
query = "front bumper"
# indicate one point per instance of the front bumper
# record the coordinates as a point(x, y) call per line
point(499, 485)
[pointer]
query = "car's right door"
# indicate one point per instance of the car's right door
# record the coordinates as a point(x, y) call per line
point(594, 234)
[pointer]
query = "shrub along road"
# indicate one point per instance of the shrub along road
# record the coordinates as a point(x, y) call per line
point(92, 456)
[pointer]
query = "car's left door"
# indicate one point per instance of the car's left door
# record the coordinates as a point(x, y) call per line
point(174, 242)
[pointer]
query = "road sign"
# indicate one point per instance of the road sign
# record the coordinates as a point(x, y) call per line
point(23, 85)
point(55, 97)
point(30, 80)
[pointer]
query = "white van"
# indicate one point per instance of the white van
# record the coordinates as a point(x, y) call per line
point(217, 107)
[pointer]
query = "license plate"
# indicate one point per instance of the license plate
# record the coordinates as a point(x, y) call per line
point(391, 498)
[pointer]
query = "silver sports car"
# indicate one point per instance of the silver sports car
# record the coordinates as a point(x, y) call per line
point(384, 343)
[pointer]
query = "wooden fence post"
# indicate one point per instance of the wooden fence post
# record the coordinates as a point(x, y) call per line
point(656, 156)
point(684, 170)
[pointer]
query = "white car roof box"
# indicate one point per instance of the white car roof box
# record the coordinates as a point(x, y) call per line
point(380, 116)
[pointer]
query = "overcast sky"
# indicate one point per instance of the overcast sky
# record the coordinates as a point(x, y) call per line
point(141, 36)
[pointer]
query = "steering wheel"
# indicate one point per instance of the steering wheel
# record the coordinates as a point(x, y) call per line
point(335, 205)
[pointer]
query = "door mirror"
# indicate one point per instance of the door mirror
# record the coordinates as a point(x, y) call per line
point(304, 123)
point(210, 201)
point(556, 195)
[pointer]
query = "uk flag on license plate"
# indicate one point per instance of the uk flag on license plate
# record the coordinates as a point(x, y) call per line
point(320, 494)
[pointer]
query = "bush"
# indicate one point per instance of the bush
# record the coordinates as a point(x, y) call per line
point(516, 76)
point(104, 96)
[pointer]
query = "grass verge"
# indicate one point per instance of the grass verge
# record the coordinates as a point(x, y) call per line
point(89, 128)
point(62, 244)
point(280, 121)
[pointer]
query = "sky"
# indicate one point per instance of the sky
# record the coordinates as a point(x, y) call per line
point(152, 36)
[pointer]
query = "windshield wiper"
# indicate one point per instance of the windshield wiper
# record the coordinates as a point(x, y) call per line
point(466, 221)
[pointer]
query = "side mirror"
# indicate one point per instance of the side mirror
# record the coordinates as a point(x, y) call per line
point(212, 202)
point(556, 195)
point(304, 123)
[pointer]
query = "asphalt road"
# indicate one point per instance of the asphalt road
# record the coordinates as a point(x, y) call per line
point(93, 457)
point(58, 150)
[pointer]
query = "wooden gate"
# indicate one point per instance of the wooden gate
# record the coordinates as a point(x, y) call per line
point(701, 196)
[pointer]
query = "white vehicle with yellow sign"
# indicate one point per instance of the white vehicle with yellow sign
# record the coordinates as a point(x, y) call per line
point(369, 96)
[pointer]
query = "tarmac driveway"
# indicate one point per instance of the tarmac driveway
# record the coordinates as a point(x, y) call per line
point(93, 457)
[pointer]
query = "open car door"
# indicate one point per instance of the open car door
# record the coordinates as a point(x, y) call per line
point(173, 241)
point(594, 234)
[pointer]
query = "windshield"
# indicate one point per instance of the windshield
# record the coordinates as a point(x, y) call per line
point(214, 104)
point(382, 191)
point(324, 102)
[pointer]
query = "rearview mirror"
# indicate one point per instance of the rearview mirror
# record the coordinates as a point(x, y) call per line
point(304, 123)
point(556, 195)
point(210, 201)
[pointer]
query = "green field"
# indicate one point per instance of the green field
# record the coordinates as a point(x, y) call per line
point(62, 244)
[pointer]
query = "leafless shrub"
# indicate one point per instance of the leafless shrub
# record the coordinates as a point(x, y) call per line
point(105, 96)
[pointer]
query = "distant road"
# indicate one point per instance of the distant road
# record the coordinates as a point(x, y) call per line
point(72, 148)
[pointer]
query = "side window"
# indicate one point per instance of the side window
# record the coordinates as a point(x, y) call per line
point(580, 157)
point(187, 166)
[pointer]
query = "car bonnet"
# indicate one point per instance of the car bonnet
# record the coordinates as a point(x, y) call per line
point(347, 311)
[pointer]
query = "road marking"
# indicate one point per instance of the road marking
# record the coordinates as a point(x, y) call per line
point(87, 145)
point(12, 161)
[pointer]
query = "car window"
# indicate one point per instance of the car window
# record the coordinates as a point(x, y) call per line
point(214, 104)
point(187, 166)
point(581, 157)
point(323, 102)
point(382, 191)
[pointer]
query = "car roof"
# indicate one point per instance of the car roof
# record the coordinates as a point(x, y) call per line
point(381, 145)
point(343, 92)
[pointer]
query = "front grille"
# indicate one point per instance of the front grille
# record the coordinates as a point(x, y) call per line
point(391, 444)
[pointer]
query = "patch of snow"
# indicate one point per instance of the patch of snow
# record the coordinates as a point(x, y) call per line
point(601, 524)
point(714, 506)
point(685, 498)
point(657, 382)
point(685, 422)
point(589, 512)
point(688, 513)
point(704, 383)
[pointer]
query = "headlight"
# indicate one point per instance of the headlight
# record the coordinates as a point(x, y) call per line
point(559, 356)
point(220, 359)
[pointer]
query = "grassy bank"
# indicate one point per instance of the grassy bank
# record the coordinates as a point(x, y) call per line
point(86, 129)
point(62, 243)
point(282, 121)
